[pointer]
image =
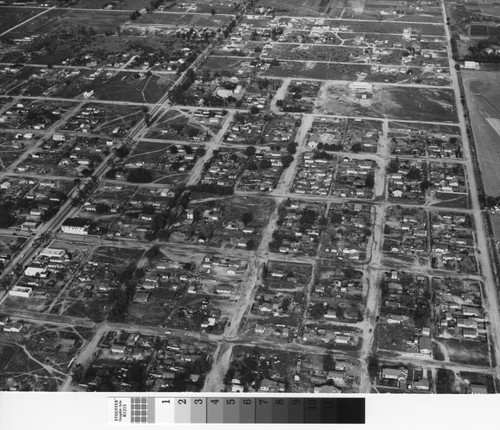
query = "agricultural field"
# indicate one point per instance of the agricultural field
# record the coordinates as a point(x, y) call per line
point(201, 6)
point(181, 20)
point(299, 8)
point(12, 16)
point(317, 70)
point(393, 27)
point(482, 93)
point(101, 21)
point(392, 12)
point(116, 5)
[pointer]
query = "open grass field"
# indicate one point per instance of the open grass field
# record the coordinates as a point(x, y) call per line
point(451, 130)
point(317, 70)
point(132, 88)
point(391, 27)
point(325, 70)
point(183, 20)
point(495, 222)
point(95, 309)
point(202, 6)
point(12, 16)
point(218, 64)
point(7, 353)
point(453, 200)
point(374, 10)
point(416, 104)
point(468, 352)
point(129, 5)
point(118, 256)
point(328, 53)
point(394, 337)
point(299, 8)
point(20, 363)
point(482, 93)
point(152, 313)
point(100, 20)
point(10, 244)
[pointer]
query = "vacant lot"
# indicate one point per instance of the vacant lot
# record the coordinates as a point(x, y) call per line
point(317, 70)
point(495, 221)
point(394, 337)
point(300, 8)
point(416, 104)
point(118, 256)
point(10, 244)
point(219, 64)
point(7, 353)
point(482, 92)
point(183, 20)
point(452, 130)
point(12, 16)
point(131, 87)
point(468, 352)
point(391, 27)
point(375, 10)
point(118, 5)
point(101, 21)
point(452, 200)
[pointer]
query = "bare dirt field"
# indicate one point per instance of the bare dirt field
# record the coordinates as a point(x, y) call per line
point(482, 92)
point(417, 104)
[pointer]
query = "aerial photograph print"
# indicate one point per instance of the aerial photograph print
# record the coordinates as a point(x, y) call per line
point(250, 196)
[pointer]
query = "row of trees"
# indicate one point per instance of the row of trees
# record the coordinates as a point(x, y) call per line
point(220, 190)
